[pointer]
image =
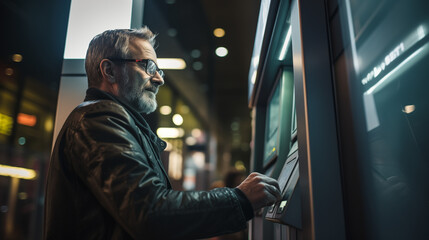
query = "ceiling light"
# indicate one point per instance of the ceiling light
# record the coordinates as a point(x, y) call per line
point(17, 57)
point(221, 52)
point(195, 53)
point(177, 119)
point(190, 141)
point(165, 110)
point(22, 141)
point(17, 172)
point(8, 71)
point(196, 132)
point(171, 63)
point(219, 32)
point(197, 66)
point(170, 132)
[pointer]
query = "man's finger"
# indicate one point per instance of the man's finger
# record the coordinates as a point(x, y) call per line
point(271, 181)
point(274, 191)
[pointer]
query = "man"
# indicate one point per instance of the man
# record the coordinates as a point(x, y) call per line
point(106, 180)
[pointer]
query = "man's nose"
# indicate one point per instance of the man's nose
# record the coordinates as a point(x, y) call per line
point(157, 79)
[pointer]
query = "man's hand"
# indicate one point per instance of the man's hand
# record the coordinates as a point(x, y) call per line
point(260, 190)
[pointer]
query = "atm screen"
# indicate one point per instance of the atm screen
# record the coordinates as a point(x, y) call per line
point(272, 126)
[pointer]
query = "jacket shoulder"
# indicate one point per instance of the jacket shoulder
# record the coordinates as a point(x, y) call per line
point(96, 109)
point(100, 105)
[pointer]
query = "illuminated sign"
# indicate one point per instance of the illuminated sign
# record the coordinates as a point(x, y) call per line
point(387, 60)
point(26, 119)
point(410, 41)
point(371, 114)
point(6, 123)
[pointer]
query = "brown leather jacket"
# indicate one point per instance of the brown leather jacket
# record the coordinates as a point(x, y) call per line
point(106, 181)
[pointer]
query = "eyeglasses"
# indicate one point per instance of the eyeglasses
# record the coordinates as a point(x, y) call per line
point(148, 65)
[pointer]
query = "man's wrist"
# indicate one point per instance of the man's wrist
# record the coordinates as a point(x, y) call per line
point(246, 206)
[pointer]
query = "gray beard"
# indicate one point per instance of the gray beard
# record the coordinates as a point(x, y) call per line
point(141, 101)
point(143, 104)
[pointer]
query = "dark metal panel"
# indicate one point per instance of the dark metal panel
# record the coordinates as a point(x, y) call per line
point(354, 199)
point(320, 181)
point(332, 6)
point(336, 35)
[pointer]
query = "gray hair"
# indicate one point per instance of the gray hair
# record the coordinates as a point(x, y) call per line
point(111, 44)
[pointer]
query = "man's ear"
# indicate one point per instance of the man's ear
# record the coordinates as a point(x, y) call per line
point(107, 71)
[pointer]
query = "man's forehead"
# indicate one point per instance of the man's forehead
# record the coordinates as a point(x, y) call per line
point(141, 48)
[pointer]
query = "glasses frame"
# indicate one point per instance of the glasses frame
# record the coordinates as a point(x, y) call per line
point(145, 64)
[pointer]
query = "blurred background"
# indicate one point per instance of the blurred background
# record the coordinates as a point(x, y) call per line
point(205, 48)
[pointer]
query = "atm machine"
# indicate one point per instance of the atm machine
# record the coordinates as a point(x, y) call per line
point(283, 130)
point(338, 90)
point(273, 100)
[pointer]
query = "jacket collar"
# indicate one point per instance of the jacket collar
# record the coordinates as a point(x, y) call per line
point(97, 94)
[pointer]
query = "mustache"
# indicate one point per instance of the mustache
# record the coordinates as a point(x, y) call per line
point(152, 89)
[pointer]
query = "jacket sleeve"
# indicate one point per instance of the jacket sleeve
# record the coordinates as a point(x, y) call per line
point(105, 154)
